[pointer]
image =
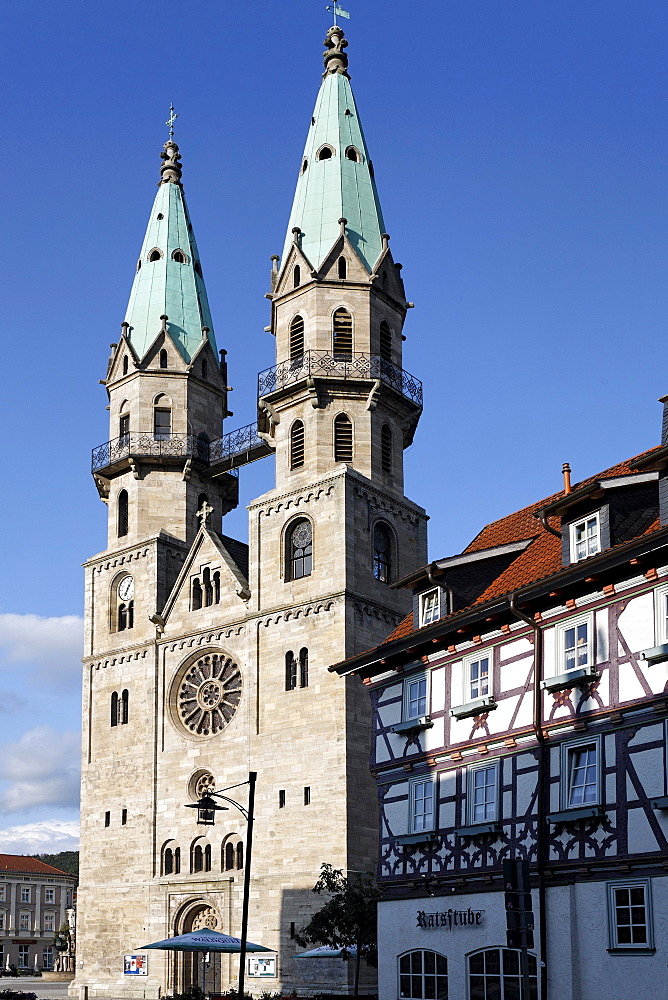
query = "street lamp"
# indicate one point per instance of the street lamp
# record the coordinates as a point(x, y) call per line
point(207, 808)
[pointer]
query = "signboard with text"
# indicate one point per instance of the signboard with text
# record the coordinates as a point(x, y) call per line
point(135, 965)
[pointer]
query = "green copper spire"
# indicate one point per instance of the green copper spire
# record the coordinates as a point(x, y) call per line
point(169, 279)
point(336, 179)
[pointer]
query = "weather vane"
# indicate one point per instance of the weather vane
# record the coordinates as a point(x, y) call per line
point(170, 121)
point(337, 11)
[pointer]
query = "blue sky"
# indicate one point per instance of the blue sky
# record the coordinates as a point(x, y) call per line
point(520, 154)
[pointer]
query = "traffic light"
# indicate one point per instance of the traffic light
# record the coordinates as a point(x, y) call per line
point(519, 907)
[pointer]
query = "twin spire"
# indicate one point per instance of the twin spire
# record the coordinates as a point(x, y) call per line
point(169, 278)
point(336, 174)
point(335, 182)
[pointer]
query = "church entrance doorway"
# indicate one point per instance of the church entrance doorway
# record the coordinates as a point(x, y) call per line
point(193, 968)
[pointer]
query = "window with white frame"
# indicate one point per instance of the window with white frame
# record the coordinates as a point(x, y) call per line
point(661, 615)
point(575, 646)
point(581, 774)
point(483, 793)
point(629, 915)
point(47, 958)
point(3, 920)
point(430, 607)
point(25, 893)
point(415, 697)
point(3, 894)
point(49, 895)
point(49, 921)
point(24, 956)
point(477, 676)
point(423, 975)
point(585, 537)
point(421, 799)
point(24, 921)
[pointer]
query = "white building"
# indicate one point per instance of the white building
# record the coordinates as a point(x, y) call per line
point(34, 900)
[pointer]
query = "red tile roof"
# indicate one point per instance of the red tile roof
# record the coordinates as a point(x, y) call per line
point(540, 559)
point(19, 863)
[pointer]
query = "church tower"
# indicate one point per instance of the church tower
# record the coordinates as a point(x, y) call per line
point(207, 657)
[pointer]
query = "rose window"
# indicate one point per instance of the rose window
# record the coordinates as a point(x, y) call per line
point(206, 918)
point(208, 695)
point(302, 534)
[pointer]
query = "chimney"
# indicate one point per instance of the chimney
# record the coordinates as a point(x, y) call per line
point(566, 469)
point(664, 424)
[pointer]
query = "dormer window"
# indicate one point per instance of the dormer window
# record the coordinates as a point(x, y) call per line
point(154, 255)
point(430, 607)
point(325, 153)
point(179, 257)
point(585, 536)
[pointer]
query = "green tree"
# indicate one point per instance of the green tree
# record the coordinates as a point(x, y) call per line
point(348, 918)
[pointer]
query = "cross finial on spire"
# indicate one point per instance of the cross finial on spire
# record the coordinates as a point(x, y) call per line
point(170, 121)
point(203, 513)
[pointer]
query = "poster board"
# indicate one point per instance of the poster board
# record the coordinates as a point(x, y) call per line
point(261, 967)
point(135, 965)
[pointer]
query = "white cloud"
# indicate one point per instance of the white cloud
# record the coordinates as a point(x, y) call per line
point(48, 836)
point(53, 646)
point(42, 768)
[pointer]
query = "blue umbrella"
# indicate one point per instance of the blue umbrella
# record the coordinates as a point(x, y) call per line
point(204, 940)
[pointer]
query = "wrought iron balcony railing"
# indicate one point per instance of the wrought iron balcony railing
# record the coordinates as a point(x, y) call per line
point(323, 364)
point(237, 442)
point(148, 446)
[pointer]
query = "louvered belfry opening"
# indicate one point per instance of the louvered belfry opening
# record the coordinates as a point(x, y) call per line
point(385, 342)
point(342, 334)
point(297, 338)
point(297, 445)
point(343, 438)
point(386, 448)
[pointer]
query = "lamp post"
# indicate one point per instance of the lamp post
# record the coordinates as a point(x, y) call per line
point(207, 808)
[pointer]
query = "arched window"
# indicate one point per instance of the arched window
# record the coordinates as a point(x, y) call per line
point(343, 438)
point(342, 334)
point(385, 342)
point(229, 856)
point(207, 858)
point(125, 365)
point(162, 418)
point(179, 257)
point(290, 671)
point(325, 153)
point(114, 709)
point(122, 525)
point(353, 153)
point(297, 338)
point(296, 276)
point(203, 447)
point(297, 445)
point(496, 974)
point(126, 616)
point(168, 861)
point(155, 255)
point(300, 550)
point(124, 427)
point(424, 974)
point(197, 595)
point(386, 448)
point(343, 267)
point(303, 667)
point(240, 854)
point(205, 369)
point(125, 707)
point(177, 861)
point(207, 587)
point(198, 859)
point(382, 553)
point(163, 358)
point(216, 587)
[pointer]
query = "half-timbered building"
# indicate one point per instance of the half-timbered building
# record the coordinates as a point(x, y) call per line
point(521, 711)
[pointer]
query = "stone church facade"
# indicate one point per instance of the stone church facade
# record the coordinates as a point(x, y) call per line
point(206, 657)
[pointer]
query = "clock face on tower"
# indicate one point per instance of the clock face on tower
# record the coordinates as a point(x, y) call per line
point(126, 588)
point(205, 695)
